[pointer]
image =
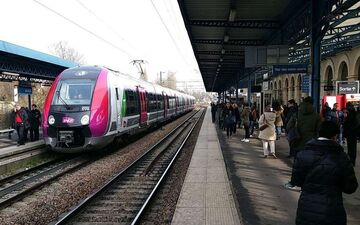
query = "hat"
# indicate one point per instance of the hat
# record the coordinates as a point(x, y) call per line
point(291, 101)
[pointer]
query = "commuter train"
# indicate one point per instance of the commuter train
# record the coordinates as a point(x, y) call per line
point(89, 107)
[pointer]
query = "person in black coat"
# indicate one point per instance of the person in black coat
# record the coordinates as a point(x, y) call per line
point(324, 172)
point(213, 111)
point(34, 120)
point(351, 131)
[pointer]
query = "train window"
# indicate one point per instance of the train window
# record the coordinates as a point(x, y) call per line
point(152, 103)
point(74, 92)
point(160, 102)
point(132, 103)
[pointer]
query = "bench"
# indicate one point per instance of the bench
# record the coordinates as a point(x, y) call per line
point(9, 131)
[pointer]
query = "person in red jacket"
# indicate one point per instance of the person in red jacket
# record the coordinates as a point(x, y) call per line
point(20, 123)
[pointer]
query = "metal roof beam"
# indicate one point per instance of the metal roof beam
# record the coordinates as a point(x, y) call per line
point(251, 24)
point(238, 42)
point(298, 27)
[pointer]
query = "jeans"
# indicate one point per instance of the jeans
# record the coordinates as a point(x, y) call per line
point(251, 127)
point(278, 132)
point(20, 131)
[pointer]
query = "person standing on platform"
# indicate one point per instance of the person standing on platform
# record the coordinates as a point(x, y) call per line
point(237, 115)
point(35, 119)
point(241, 108)
point(292, 110)
point(253, 118)
point(336, 116)
point(307, 122)
point(27, 123)
point(326, 111)
point(213, 111)
point(245, 118)
point(20, 120)
point(267, 131)
point(278, 121)
point(324, 172)
point(351, 131)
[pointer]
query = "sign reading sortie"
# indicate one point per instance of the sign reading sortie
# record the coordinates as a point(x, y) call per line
point(347, 87)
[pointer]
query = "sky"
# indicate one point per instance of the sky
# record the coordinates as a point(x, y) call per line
point(110, 33)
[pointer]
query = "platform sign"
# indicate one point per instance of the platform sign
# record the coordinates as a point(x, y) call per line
point(290, 68)
point(347, 87)
point(24, 90)
point(305, 86)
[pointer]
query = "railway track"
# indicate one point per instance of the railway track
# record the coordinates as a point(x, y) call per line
point(20, 185)
point(125, 197)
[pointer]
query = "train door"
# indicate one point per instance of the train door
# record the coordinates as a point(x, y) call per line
point(176, 104)
point(166, 104)
point(118, 107)
point(142, 101)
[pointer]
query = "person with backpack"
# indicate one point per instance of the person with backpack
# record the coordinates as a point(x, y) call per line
point(21, 118)
point(307, 123)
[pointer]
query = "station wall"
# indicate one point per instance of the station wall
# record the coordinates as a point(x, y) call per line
point(7, 100)
point(344, 66)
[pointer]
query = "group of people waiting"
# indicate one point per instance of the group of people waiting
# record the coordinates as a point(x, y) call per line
point(231, 116)
point(321, 167)
point(25, 120)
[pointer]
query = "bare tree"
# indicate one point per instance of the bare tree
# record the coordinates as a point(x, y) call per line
point(64, 51)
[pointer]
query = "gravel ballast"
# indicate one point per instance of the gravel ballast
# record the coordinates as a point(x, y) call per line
point(45, 205)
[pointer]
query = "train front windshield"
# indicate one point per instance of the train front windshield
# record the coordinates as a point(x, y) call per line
point(74, 92)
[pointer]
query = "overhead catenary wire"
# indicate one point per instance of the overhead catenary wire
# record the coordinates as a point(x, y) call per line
point(169, 33)
point(107, 25)
point(84, 28)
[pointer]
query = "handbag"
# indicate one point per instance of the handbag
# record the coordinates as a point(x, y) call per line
point(265, 125)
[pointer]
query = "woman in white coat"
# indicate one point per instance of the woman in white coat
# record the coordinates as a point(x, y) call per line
point(268, 135)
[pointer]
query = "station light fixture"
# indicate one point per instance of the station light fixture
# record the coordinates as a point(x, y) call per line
point(226, 38)
point(232, 15)
point(10, 74)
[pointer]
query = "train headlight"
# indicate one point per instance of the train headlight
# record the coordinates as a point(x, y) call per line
point(51, 119)
point(85, 120)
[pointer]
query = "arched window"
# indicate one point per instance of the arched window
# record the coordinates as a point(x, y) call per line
point(329, 76)
point(343, 71)
point(292, 88)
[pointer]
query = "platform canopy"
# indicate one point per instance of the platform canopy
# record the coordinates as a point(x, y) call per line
point(28, 63)
point(220, 31)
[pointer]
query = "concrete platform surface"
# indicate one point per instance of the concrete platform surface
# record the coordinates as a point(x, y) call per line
point(259, 182)
point(206, 197)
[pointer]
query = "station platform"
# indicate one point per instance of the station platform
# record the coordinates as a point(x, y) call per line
point(259, 182)
point(8, 146)
point(229, 182)
point(206, 197)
